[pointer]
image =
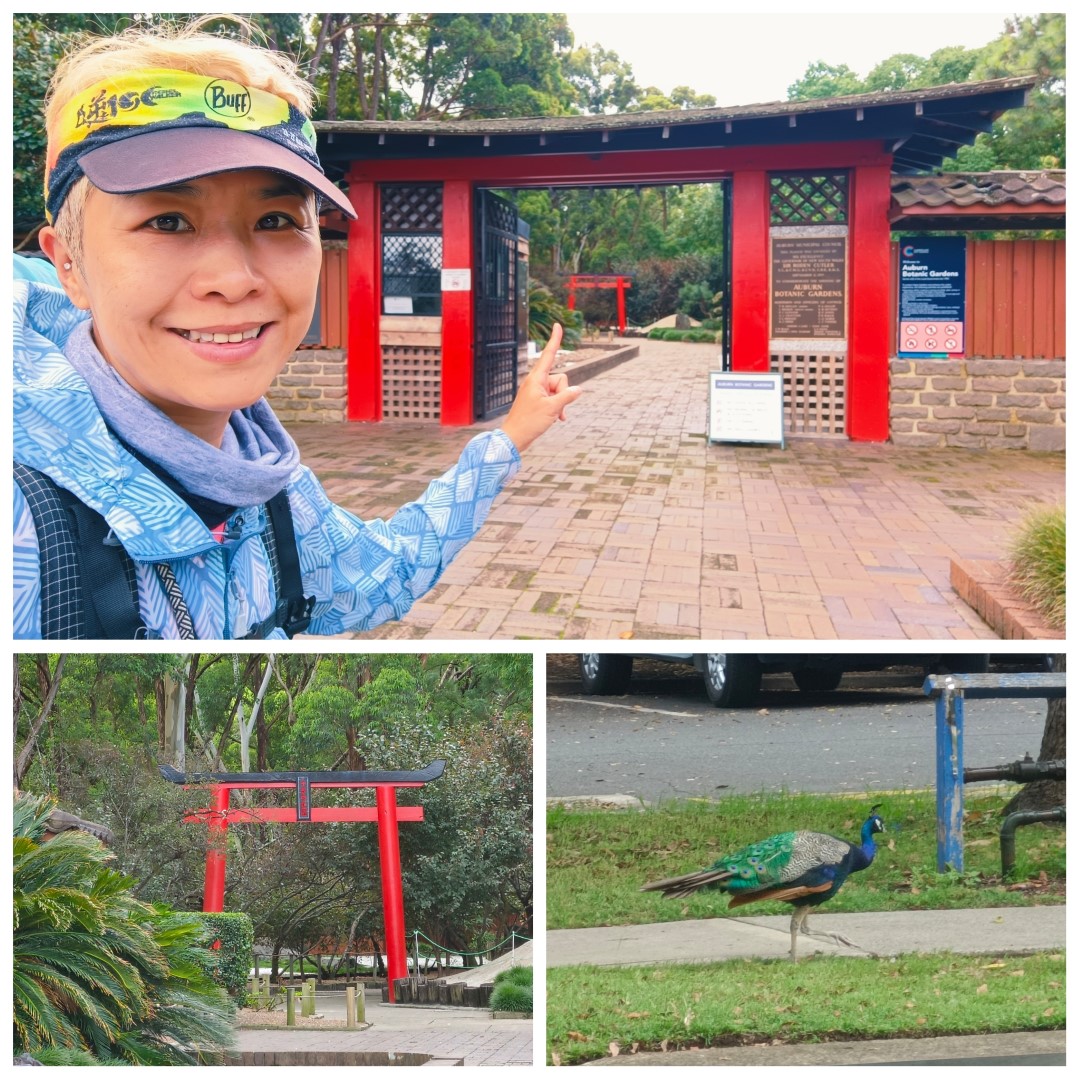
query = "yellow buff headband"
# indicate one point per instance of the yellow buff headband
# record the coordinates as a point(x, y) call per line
point(154, 128)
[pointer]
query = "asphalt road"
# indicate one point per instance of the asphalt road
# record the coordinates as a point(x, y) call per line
point(666, 741)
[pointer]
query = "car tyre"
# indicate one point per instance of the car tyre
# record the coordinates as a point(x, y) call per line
point(605, 673)
point(817, 680)
point(732, 680)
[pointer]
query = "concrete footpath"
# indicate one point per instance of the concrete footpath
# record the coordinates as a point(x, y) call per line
point(877, 933)
point(997, 931)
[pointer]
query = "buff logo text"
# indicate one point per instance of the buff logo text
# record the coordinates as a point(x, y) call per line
point(227, 99)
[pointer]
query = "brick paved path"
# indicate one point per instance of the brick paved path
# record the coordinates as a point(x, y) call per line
point(625, 519)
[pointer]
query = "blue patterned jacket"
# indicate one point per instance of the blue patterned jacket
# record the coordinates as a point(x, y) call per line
point(361, 573)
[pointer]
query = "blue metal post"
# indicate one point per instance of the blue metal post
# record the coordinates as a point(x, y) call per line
point(949, 713)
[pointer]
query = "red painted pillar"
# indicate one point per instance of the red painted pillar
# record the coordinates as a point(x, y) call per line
point(621, 305)
point(458, 364)
point(217, 836)
point(393, 900)
point(750, 271)
point(869, 342)
point(364, 378)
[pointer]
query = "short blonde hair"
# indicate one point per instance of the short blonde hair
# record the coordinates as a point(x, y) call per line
point(187, 47)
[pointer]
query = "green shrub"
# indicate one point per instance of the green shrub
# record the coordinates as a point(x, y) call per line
point(230, 963)
point(1038, 562)
point(98, 971)
point(545, 310)
point(515, 976)
point(668, 333)
point(509, 997)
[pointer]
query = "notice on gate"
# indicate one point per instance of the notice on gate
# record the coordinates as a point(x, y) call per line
point(933, 292)
point(809, 287)
point(746, 406)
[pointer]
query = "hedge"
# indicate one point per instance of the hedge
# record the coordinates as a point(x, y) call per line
point(668, 333)
point(230, 963)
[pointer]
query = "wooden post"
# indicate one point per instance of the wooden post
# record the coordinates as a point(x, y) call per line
point(360, 1013)
point(350, 1007)
point(307, 999)
point(290, 1006)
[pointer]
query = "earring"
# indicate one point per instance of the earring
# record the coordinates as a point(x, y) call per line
point(67, 266)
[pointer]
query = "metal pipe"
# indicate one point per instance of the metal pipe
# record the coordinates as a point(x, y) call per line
point(1014, 822)
point(1023, 771)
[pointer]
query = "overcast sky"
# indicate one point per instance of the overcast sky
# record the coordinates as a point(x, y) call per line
point(744, 59)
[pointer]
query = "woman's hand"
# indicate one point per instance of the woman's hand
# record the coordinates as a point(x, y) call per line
point(541, 399)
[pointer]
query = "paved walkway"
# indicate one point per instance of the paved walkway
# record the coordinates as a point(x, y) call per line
point(626, 520)
point(881, 933)
point(438, 1031)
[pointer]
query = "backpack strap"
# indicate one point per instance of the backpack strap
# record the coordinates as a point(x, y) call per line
point(293, 610)
point(88, 587)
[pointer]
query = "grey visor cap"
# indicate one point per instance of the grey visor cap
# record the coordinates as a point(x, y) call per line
point(161, 158)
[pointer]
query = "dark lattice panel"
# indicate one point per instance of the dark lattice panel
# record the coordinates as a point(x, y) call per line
point(412, 208)
point(501, 216)
point(411, 378)
point(805, 199)
point(496, 306)
point(412, 266)
point(815, 391)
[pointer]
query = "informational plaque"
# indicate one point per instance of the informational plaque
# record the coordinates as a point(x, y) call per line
point(746, 406)
point(809, 287)
point(457, 280)
point(933, 289)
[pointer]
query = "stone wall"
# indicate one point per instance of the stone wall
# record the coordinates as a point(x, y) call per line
point(986, 404)
point(311, 388)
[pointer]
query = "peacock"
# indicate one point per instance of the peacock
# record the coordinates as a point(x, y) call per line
point(802, 868)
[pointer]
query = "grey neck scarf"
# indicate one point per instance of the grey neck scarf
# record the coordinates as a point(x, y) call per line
point(256, 458)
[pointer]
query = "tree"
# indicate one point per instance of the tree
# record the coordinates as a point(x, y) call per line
point(821, 80)
point(1028, 138)
point(1031, 138)
point(602, 82)
point(1046, 794)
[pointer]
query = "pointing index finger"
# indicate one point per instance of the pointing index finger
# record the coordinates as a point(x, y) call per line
point(547, 357)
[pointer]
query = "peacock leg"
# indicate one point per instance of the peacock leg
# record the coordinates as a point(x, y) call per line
point(798, 917)
point(830, 935)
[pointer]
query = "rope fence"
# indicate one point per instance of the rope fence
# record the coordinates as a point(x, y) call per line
point(498, 949)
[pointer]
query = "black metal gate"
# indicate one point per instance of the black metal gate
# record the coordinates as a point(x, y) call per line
point(496, 304)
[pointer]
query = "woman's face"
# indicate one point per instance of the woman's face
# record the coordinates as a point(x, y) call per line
point(200, 292)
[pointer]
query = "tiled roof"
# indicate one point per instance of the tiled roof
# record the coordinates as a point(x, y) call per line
point(1007, 190)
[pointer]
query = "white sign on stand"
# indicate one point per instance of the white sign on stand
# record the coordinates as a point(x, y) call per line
point(746, 406)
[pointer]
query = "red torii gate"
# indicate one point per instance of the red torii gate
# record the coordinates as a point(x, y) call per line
point(386, 813)
point(603, 281)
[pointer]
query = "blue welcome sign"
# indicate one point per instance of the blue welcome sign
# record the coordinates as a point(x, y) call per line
point(933, 291)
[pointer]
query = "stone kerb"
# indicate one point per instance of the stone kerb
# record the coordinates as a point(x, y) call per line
point(982, 404)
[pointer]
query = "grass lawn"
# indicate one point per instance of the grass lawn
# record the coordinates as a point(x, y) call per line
point(598, 860)
point(594, 1012)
